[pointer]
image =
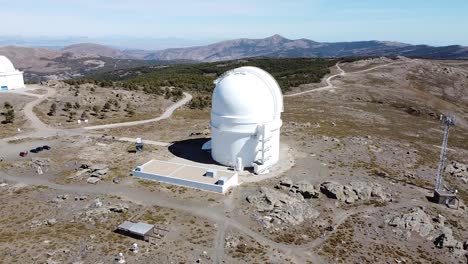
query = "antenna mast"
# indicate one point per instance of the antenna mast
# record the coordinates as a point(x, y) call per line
point(448, 122)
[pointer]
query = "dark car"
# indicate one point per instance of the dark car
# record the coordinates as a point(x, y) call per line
point(33, 151)
point(39, 149)
point(46, 147)
point(23, 153)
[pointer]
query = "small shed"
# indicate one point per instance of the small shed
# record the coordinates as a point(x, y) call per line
point(138, 230)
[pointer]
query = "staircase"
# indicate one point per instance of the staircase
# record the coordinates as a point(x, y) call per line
point(263, 150)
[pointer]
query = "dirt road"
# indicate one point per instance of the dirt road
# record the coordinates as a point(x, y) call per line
point(329, 79)
point(168, 113)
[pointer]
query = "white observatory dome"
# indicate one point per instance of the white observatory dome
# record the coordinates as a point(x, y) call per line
point(10, 78)
point(246, 119)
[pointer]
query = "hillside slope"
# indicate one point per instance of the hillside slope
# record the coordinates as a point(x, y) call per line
point(91, 49)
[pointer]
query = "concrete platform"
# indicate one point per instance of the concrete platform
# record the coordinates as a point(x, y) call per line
point(187, 175)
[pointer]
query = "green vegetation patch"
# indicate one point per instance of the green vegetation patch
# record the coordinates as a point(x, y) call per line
point(198, 78)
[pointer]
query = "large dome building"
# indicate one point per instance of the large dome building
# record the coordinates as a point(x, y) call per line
point(246, 119)
point(10, 78)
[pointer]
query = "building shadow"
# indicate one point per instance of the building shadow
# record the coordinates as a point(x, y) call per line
point(191, 149)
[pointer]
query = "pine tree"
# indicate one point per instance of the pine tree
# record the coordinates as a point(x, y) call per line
point(9, 116)
point(53, 109)
point(67, 106)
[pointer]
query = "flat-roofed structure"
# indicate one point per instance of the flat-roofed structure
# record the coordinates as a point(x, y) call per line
point(187, 175)
point(138, 230)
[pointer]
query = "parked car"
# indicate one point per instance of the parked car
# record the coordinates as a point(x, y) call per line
point(39, 149)
point(23, 153)
point(46, 147)
point(33, 150)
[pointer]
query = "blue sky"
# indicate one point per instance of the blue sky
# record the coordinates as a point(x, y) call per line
point(434, 22)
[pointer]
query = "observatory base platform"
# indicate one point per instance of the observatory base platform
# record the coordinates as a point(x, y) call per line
point(196, 177)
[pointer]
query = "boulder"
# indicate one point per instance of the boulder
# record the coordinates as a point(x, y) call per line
point(378, 192)
point(97, 167)
point(284, 183)
point(306, 189)
point(300, 190)
point(362, 189)
point(446, 240)
point(93, 180)
point(340, 192)
point(51, 222)
point(118, 208)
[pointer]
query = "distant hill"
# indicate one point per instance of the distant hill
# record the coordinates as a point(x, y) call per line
point(41, 64)
point(279, 47)
point(91, 49)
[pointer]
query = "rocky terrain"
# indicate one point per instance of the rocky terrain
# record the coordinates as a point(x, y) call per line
point(358, 171)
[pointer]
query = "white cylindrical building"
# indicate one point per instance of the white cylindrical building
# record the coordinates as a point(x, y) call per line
point(10, 78)
point(246, 119)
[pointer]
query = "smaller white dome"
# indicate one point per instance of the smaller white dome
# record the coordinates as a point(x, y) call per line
point(6, 65)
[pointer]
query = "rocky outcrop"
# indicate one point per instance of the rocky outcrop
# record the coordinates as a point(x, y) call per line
point(96, 172)
point(302, 188)
point(353, 192)
point(279, 208)
point(445, 239)
point(434, 229)
point(458, 170)
point(415, 220)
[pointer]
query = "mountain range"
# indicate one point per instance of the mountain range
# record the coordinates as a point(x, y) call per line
point(86, 57)
point(279, 47)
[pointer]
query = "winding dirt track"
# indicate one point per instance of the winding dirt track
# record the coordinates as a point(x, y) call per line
point(329, 79)
point(168, 113)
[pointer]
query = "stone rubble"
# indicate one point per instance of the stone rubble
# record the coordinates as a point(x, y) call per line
point(93, 180)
